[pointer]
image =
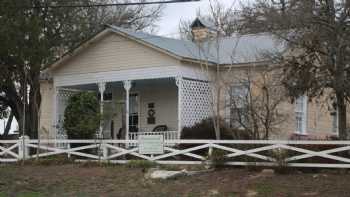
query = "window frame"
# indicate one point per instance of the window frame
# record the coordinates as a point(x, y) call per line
point(243, 92)
point(335, 126)
point(300, 115)
point(137, 114)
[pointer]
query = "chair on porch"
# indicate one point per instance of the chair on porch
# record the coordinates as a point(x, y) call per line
point(160, 128)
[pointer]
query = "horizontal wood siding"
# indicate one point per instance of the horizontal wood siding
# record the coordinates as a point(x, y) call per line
point(196, 71)
point(113, 53)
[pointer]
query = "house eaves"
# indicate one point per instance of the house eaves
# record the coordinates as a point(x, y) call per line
point(178, 49)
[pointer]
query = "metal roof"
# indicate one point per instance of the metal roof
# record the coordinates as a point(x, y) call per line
point(237, 49)
point(181, 48)
point(240, 49)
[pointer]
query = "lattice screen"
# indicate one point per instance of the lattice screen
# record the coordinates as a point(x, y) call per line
point(196, 105)
point(63, 96)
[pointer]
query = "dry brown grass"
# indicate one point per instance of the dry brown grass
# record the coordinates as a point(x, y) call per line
point(117, 180)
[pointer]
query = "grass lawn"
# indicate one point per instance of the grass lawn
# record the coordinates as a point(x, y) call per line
point(83, 180)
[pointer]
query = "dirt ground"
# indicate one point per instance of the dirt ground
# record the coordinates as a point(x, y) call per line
point(82, 180)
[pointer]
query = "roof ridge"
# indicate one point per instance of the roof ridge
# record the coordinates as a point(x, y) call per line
point(129, 30)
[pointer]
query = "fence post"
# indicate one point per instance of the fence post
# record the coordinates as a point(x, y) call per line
point(23, 150)
point(68, 147)
point(208, 162)
point(20, 149)
point(104, 151)
point(210, 151)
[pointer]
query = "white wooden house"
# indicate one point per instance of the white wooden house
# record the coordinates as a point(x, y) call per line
point(149, 79)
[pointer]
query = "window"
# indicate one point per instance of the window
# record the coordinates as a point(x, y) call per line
point(301, 114)
point(334, 115)
point(238, 105)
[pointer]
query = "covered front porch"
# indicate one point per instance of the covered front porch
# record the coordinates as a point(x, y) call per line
point(141, 106)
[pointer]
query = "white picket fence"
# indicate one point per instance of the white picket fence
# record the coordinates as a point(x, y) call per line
point(329, 154)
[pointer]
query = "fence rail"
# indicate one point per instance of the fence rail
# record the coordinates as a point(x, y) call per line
point(322, 154)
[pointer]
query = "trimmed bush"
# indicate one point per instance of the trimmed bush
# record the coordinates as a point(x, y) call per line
point(218, 158)
point(204, 130)
point(281, 155)
point(82, 117)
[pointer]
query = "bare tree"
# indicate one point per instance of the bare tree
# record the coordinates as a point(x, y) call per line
point(317, 35)
point(215, 82)
point(224, 24)
point(221, 18)
point(255, 103)
point(263, 105)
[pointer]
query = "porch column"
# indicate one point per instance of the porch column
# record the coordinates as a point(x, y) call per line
point(127, 86)
point(101, 89)
point(179, 103)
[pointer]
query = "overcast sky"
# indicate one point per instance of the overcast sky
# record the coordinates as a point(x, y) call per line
point(169, 24)
point(174, 12)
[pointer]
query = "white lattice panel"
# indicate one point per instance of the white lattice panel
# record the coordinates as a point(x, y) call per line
point(195, 98)
point(63, 96)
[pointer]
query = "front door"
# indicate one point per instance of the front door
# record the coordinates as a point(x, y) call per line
point(133, 116)
point(134, 104)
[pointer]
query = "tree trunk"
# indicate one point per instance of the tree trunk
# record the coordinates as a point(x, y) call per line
point(217, 118)
point(33, 111)
point(32, 122)
point(341, 107)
